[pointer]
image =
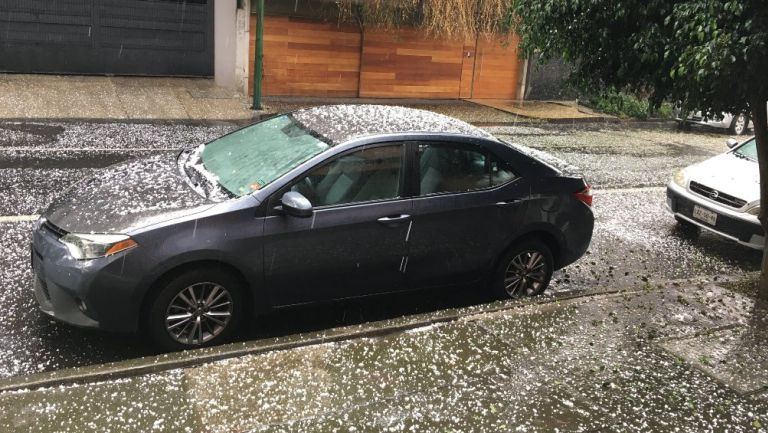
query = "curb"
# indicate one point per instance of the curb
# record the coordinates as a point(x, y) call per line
point(191, 358)
point(529, 121)
point(540, 121)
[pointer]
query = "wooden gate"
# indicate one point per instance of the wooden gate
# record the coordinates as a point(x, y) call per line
point(313, 58)
point(308, 58)
point(407, 64)
point(496, 69)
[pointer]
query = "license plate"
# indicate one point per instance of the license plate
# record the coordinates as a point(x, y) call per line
point(705, 215)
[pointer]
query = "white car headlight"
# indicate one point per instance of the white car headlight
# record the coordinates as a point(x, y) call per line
point(681, 178)
point(92, 246)
point(754, 210)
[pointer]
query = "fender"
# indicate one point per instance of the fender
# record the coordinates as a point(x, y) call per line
point(253, 280)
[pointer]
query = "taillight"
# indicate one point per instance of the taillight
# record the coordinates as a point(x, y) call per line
point(585, 195)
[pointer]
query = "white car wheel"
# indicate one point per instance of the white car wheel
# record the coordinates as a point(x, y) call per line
point(739, 124)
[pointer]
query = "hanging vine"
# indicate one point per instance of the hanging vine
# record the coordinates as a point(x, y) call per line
point(443, 18)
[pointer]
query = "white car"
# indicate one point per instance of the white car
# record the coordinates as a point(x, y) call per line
point(721, 194)
point(735, 124)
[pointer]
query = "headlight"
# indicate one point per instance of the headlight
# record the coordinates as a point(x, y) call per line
point(681, 178)
point(754, 210)
point(91, 246)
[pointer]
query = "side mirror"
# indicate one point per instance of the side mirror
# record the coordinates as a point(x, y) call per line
point(295, 204)
point(731, 143)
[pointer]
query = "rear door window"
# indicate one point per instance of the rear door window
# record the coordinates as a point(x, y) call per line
point(449, 167)
point(501, 172)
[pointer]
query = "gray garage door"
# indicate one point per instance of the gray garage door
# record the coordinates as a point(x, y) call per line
point(129, 37)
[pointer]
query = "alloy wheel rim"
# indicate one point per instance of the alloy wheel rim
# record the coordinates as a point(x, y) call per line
point(740, 124)
point(198, 313)
point(526, 273)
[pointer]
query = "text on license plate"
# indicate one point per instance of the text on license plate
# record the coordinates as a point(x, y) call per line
point(705, 215)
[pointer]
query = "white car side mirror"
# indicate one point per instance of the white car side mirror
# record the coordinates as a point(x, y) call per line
point(731, 143)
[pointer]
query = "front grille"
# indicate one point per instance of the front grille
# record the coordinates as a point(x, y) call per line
point(716, 195)
point(56, 231)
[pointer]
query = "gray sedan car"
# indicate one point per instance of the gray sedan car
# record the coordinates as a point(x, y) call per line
point(320, 204)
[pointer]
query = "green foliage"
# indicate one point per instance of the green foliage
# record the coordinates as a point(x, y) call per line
point(665, 111)
point(623, 104)
point(712, 54)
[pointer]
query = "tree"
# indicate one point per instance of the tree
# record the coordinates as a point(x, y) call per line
point(711, 54)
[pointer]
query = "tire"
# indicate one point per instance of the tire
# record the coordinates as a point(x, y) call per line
point(205, 324)
point(516, 263)
point(683, 125)
point(739, 124)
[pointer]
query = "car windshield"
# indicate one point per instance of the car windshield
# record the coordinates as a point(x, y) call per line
point(747, 150)
point(253, 157)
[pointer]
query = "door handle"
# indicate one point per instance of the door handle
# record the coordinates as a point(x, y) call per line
point(394, 219)
point(505, 203)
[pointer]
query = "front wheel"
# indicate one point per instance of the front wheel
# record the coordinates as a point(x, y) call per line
point(739, 124)
point(525, 270)
point(683, 125)
point(200, 307)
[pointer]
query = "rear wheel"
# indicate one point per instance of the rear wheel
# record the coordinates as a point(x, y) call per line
point(198, 308)
point(739, 124)
point(525, 270)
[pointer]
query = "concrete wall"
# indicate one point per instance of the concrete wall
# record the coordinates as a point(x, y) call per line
point(225, 42)
point(242, 47)
point(547, 81)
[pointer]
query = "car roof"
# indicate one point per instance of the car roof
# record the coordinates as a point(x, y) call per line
point(341, 123)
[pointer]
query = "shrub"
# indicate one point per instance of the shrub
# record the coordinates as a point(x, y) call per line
point(625, 104)
point(622, 104)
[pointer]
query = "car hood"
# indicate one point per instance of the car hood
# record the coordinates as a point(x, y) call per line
point(730, 174)
point(127, 196)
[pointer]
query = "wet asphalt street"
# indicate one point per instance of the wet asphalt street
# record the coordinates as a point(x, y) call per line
point(635, 243)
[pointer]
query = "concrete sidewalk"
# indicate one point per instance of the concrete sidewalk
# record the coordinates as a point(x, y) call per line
point(550, 111)
point(687, 359)
point(30, 97)
point(26, 97)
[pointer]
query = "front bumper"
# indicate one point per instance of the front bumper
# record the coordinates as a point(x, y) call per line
point(86, 293)
point(55, 300)
point(730, 224)
point(722, 124)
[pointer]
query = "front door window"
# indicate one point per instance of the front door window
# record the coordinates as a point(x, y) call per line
point(370, 174)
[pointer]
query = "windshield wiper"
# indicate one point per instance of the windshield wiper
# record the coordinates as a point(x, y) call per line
point(196, 178)
point(205, 185)
point(739, 155)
